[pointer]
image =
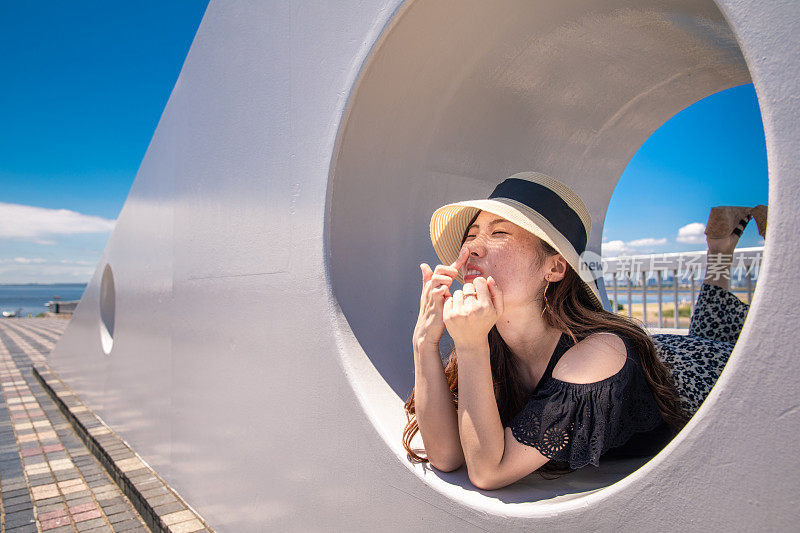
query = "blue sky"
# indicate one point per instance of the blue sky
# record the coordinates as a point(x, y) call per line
point(711, 153)
point(84, 84)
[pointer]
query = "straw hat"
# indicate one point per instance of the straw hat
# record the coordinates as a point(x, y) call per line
point(535, 202)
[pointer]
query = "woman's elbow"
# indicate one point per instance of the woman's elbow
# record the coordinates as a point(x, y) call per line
point(482, 484)
point(446, 465)
point(488, 480)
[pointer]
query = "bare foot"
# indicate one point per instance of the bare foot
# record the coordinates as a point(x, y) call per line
point(723, 220)
point(725, 245)
point(720, 257)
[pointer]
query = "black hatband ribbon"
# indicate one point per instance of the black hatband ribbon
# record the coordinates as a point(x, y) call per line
point(548, 204)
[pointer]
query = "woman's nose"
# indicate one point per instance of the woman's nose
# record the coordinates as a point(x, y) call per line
point(476, 248)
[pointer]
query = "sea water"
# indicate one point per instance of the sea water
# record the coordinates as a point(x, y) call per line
point(31, 298)
point(667, 295)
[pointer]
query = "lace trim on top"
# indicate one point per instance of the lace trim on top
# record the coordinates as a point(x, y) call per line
point(576, 423)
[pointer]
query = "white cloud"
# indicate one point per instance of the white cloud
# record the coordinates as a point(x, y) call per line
point(693, 233)
point(618, 248)
point(613, 248)
point(41, 270)
point(38, 270)
point(40, 260)
point(83, 263)
point(36, 223)
point(643, 243)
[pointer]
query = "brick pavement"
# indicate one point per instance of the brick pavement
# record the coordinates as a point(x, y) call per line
point(49, 481)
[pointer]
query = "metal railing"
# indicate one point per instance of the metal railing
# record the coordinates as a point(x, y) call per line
point(634, 273)
point(62, 306)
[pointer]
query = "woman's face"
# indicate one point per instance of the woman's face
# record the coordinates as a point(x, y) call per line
point(509, 254)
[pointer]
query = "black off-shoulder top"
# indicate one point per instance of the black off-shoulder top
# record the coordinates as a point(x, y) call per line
point(577, 424)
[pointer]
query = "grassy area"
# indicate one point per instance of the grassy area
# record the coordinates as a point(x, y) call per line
point(668, 314)
point(683, 311)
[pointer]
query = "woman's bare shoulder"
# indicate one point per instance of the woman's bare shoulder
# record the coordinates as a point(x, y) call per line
point(594, 358)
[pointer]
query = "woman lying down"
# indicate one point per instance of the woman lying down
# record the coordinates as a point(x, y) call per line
point(541, 378)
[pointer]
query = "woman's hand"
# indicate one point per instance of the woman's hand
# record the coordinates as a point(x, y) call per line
point(470, 318)
point(435, 290)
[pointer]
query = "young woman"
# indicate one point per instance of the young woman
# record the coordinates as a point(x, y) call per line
point(541, 378)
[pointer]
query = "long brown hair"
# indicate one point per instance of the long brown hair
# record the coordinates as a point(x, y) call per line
point(570, 310)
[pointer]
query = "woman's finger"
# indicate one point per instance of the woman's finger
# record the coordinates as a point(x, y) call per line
point(482, 289)
point(458, 299)
point(440, 290)
point(426, 273)
point(461, 260)
point(447, 308)
point(496, 293)
point(441, 279)
point(446, 270)
point(470, 288)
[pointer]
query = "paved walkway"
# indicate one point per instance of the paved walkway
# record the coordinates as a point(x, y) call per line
point(49, 481)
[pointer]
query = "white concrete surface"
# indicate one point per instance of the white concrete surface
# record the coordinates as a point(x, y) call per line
point(265, 262)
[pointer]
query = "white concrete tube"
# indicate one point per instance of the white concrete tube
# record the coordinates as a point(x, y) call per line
point(265, 262)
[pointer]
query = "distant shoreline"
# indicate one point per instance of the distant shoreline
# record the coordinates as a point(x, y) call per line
point(638, 290)
point(41, 284)
point(30, 298)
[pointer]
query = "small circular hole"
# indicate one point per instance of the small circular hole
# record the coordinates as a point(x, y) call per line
point(107, 309)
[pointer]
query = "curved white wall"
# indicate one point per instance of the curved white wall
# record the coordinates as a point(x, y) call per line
point(278, 218)
point(452, 101)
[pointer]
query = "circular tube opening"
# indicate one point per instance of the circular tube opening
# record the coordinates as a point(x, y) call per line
point(438, 116)
point(107, 310)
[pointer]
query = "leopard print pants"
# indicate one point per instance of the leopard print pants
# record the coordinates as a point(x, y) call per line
point(697, 359)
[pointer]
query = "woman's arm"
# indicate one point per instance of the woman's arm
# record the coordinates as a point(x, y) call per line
point(469, 322)
point(433, 401)
point(494, 457)
point(481, 430)
point(435, 411)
